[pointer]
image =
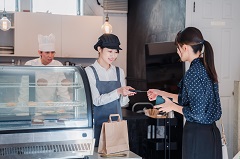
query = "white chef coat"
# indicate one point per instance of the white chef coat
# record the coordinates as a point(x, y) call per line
point(49, 92)
point(38, 62)
point(105, 75)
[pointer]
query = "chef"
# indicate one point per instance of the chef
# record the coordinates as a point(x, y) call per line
point(44, 79)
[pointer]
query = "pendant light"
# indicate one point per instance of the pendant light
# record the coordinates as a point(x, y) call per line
point(5, 24)
point(107, 27)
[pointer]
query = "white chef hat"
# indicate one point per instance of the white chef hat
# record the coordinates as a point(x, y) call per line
point(46, 43)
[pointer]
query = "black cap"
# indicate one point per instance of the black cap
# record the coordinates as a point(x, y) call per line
point(110, 41)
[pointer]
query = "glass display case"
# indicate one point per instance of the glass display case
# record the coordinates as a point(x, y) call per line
point(45, 106)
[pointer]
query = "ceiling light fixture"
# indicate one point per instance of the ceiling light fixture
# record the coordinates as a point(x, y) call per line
point(107, 27)
point(5, 24)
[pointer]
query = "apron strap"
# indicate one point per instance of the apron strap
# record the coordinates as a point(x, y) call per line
point(95, 73)
point(118, 74)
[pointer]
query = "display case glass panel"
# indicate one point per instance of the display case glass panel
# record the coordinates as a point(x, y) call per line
point(44, 97)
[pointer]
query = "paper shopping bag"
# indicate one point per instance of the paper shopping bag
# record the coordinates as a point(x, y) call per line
point(114, 136)
point(224, 143)
point(224, 150)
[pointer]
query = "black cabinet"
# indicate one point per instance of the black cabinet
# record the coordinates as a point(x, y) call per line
point(137, 131)
point(164, 138)
point(151, 143)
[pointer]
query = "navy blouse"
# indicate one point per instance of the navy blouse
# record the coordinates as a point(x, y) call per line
point(198, 95)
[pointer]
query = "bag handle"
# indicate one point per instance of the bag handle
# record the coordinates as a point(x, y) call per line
point(223, 134)
point(112, 115)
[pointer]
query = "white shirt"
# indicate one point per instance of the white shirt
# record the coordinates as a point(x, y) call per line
point(38, 62)
point(105, 75)
point(45, 94)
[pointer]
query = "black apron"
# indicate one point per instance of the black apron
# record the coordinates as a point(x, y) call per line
point(101, 113)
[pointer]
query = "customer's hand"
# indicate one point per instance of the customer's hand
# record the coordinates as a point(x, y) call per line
point(167, 106)
point(125, 91)
point(153, 93)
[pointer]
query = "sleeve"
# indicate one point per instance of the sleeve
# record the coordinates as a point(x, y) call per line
point(58, 63)
point(98, 99)
point(196, 98)
point(28, 63)
point(123, 100)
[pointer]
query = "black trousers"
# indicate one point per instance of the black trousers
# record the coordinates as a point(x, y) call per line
point(201, 141)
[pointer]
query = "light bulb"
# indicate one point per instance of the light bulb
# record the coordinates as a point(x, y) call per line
point(107, 28)
point(5, 24)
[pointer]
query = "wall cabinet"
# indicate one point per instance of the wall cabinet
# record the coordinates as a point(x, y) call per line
point(75, 35)
point(79, 34)
point(27, 28)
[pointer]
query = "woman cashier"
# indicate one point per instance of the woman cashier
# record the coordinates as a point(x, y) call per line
point(107, 82)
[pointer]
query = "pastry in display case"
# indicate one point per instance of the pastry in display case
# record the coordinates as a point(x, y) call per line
point(45, 111)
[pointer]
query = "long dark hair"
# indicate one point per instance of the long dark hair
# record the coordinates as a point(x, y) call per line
point(193, 37)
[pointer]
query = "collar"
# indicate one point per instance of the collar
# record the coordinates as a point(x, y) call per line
point(195, 61)
point(98, 66)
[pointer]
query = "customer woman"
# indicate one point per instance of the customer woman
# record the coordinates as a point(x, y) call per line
point(107, 82)
point(198, 98)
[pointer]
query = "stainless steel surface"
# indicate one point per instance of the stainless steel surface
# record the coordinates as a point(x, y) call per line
point(43, 150)
point(170, 114)
point(60, 135)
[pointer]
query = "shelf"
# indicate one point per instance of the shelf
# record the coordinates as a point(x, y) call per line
point(48, 123)
point(48, 104)
point(163, 121)
point(155, 145)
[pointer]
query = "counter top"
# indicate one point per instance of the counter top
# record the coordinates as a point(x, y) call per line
point(130, 155)
point(128, 114)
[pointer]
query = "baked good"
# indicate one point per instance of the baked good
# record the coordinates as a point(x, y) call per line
point(60, 111)
point(42, 82)
point(37, 121)
point(32, 104)
point(11, 104)
point(66, 82)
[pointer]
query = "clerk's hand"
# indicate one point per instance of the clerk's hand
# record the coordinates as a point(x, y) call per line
point(125, 91)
